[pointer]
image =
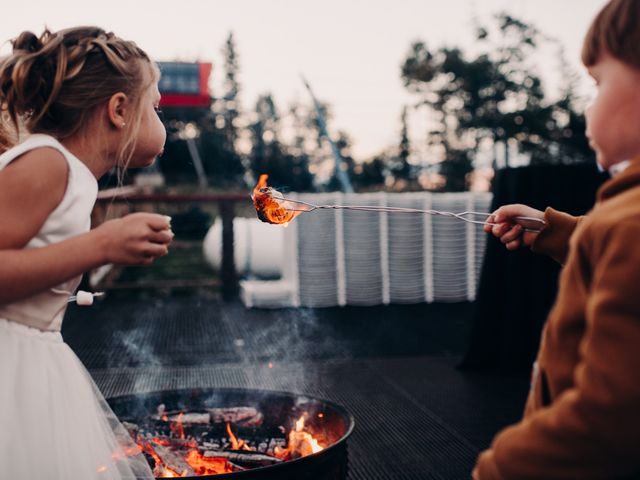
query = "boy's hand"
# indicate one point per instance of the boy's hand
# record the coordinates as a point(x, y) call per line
point(510, 230)
point(135, 239)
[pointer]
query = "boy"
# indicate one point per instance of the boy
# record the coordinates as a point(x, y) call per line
point(582, 417)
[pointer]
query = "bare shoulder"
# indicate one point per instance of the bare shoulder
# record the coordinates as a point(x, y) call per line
point(31, 187)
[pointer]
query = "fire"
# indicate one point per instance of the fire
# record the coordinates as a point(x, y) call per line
point(180, 456)
point(235, 443)
point(300, 443)
point(176, 427)
point(160, 470)
point(270, 205)
point(207, 465)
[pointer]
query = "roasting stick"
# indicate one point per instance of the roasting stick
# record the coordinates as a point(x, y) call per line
point(466, 216)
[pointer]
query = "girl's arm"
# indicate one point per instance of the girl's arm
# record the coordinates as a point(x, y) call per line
point(136, 239)
point(31, 187)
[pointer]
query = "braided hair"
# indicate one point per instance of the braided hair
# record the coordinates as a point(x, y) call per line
point(53, 83)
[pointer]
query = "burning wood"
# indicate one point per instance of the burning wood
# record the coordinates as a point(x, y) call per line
point(210, 465)
point(172, 460)
point(301, 443)
point(176, 443)
point(241, 416)
point(202, 452)
point(248, 459)
point(191, 418)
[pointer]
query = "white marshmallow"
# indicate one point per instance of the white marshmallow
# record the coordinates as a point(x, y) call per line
point(84, 298)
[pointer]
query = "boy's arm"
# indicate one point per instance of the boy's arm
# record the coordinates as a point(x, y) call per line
point(553, 240)
point(593, 429)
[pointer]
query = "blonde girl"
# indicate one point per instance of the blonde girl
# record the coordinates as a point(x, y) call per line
point(75, 104)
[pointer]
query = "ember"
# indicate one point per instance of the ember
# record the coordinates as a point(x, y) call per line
point(270, 204)
point(235, 431)
point(175, 455)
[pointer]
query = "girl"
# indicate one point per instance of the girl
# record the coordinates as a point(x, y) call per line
point(87, 99)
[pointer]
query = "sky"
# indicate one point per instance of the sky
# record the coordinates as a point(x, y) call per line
point(350, 51)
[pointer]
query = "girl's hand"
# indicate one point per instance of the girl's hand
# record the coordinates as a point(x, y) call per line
point(135, 239)
point(507, 228)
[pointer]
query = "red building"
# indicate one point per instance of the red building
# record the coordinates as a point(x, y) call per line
point(184, 85)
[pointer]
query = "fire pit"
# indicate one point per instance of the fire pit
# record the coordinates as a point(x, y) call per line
point(236, 433)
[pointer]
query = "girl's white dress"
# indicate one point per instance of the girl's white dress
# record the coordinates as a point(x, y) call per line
point(54, 422)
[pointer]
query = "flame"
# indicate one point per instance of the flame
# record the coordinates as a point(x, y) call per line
point(300, 443)
point(160, 470)
point(235, 443)
point(176, 427)
point(269, 204)
point(207, 465)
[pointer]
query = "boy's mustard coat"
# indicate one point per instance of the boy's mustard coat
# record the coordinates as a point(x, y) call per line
point(582, 418)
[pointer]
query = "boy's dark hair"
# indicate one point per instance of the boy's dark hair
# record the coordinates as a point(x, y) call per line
point(616, 31)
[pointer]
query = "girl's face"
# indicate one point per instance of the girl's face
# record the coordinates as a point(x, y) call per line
point(613, 118)
point(152, 134)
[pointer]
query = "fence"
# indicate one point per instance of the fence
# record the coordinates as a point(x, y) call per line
point(117, 202)
point(341, 257)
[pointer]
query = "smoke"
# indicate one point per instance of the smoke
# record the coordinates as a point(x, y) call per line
point(133, 348)
point(132, 352)
point(284, 353)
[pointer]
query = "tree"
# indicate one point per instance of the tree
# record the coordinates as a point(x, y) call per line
point(343, 144)
point(232, 88)
point(268, 155)
point(213, 132)
point(493, 99)
point(399, 167)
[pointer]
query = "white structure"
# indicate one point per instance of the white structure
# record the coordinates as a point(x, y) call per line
point(342, 257)
point(258, 247)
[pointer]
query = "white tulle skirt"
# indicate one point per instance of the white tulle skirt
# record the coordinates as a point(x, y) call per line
point(54, 422)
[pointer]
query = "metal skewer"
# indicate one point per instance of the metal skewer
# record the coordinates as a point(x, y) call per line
point(301, 206)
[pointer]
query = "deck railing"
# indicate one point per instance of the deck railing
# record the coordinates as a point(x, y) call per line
point(113, 203)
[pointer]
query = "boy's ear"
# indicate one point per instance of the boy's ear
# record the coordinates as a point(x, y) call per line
point(117, 109)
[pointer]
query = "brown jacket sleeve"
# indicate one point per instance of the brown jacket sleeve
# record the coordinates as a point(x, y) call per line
point(592, 430)
point(553, 240)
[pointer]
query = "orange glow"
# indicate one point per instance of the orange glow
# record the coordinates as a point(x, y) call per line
point(176, 427)
point(300, 443)
point(160, 470)
point(269, 204)
point(235, 443)
point(207, 465)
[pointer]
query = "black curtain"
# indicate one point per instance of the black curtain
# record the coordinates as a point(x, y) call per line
point(517, 289)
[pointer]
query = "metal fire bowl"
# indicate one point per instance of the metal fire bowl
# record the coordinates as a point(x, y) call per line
point(278, 408)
